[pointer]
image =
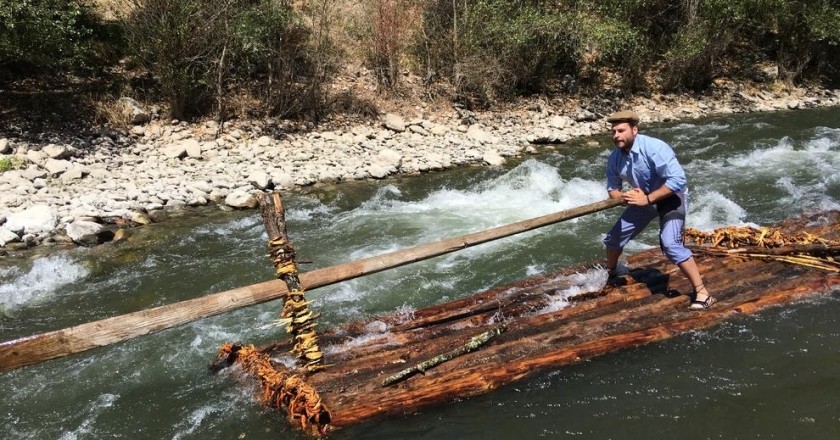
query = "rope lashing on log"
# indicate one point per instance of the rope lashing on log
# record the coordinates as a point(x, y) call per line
point(802, 248)
point(471, 345)
point(295, 315)
point(280, 389)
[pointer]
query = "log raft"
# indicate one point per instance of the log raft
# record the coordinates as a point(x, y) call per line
point(538, 335)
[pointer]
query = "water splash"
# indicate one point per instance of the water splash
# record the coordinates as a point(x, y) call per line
point(43, 280)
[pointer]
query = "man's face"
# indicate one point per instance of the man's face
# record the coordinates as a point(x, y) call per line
point(623, 135)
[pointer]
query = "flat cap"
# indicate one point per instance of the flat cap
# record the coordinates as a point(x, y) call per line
point(623, 116)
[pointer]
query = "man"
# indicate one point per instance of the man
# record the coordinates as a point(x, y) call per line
point(658, 189)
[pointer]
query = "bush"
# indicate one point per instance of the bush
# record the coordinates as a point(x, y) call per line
point(200, 49)
point(11, 163)
point(48, 34)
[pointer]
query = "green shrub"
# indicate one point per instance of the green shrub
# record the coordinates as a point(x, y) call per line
point(11, 163)
point(198, 49)
point(47, 34)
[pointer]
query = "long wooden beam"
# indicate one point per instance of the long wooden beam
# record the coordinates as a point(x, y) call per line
point(45, 346)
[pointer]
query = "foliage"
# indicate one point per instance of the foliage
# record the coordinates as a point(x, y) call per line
point(11, 163)
point(46, 34)
point(200, 48)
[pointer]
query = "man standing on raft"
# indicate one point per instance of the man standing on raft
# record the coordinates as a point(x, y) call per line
point(658, 189)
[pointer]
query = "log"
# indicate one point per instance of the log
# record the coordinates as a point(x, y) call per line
point(296, 312)
point(58, 343)
point(653, 306)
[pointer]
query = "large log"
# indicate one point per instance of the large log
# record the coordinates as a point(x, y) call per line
point(653, 306)
point(45, 346)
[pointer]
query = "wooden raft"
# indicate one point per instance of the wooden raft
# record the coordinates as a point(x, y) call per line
point(652, 306)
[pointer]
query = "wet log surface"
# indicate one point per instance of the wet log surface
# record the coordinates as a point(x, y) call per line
point(540, 334)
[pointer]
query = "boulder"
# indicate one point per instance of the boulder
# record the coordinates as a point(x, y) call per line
point(5, 147)
point(134, 111)
point(56, 151)
point(85, 233)
point(493, 158)
point(33, 220)
point(241, 200)
point(57, 167)
point(394, 122)
point(7, 236)
point(260, 179)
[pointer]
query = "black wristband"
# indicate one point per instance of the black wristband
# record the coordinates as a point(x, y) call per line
point(648, 199)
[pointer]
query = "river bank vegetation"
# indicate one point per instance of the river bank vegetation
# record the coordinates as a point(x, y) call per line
point(283, 59)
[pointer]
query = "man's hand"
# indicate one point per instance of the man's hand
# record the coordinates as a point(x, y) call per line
point(635, 197)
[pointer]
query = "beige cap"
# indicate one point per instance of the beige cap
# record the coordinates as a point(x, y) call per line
point(623, 116)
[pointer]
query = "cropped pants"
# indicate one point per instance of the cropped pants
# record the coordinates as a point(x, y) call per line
point(671, 212)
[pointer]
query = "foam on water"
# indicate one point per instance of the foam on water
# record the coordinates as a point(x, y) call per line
point(712, 210)
point(590, 281)
point(93, 410)
point(44, 279)
point(531, 189)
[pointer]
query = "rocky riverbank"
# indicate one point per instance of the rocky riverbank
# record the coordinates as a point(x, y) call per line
point(66, 190)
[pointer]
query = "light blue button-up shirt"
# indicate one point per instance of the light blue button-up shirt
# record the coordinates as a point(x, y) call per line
point(650, 164)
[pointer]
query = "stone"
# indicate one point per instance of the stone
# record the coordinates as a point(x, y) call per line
point(57, 167)
point(175, 151)
point(134, 111)
point(5, 146)
point(139, 218)
point(7, 236)
point(241, 200)
point(493, 158)
point(192, 148)
point(477, 134)
point(85, 233)
point(74, 173)
point(34, 220)
point(260, 179)
point(394, 122)
point(56, 151)
point(388, 158)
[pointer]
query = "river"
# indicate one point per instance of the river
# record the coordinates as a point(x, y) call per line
point(772, 375)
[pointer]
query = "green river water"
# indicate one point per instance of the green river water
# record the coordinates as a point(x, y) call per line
point(775, 375)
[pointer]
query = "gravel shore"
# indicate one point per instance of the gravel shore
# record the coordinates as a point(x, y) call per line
point(84, 191)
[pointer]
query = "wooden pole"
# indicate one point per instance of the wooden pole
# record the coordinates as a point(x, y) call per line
point(301, 320)
point(45, 346)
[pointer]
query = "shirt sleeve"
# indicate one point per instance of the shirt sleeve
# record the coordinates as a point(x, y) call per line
point(613, 180)
point(668, 167)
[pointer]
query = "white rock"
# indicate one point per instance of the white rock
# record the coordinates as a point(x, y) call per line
point(56, 151)
point(5, 147)
point(493, 158)
point(36, 157)
point(241, 199)
point(175, 151)
point(7, 236)
point(134, 110)
point(83, 232)
point(394, 122)
point(33, 220)
point(260, 180)
point(388, 158)
point(439, 130)
point(74, 173)
point(202, 186)
point(263, 141)
point(477, 134)
point(192, 147)
point(57, 167)
point(380, 171)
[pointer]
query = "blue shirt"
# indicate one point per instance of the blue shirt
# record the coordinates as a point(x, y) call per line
point(650, 164)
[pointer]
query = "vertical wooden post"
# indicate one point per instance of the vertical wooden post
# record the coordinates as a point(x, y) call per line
point(299, 318)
